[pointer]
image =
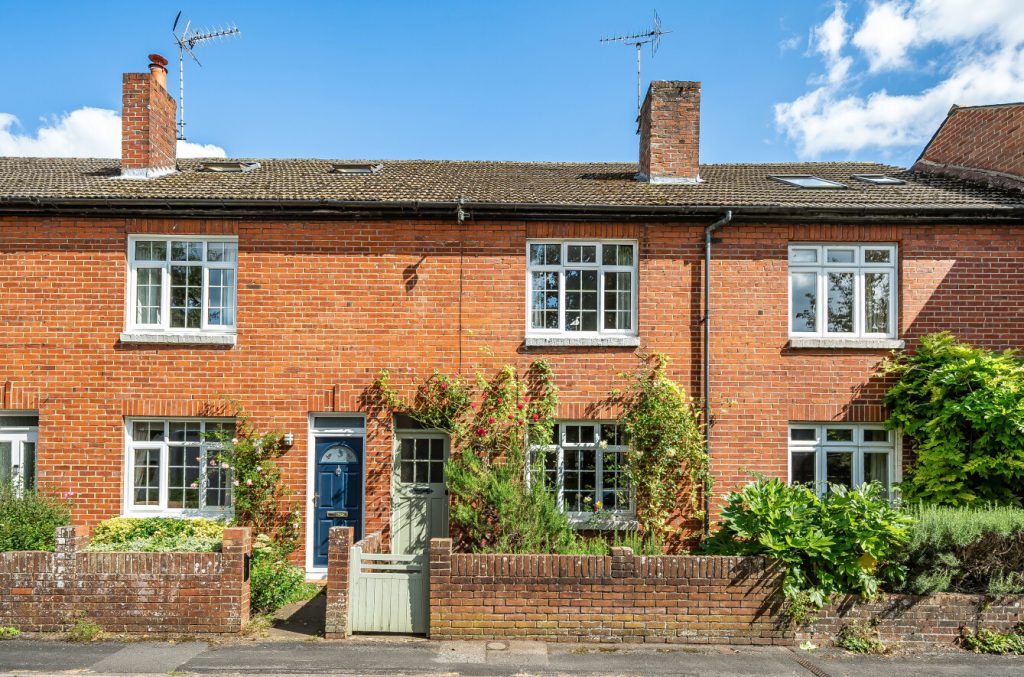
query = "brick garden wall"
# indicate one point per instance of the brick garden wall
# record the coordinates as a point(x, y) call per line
point(917, 620)
point(151, 593)
point(621, 598)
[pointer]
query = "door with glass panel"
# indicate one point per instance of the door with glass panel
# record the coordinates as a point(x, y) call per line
point(419, 495)
point(18, 457)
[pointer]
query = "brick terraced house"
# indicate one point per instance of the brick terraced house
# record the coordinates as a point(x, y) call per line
point(134, 295)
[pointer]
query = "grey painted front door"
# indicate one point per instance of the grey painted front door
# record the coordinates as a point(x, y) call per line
point(419, 495)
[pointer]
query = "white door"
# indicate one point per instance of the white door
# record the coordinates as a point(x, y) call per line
point(18, 457)
point(419, 495)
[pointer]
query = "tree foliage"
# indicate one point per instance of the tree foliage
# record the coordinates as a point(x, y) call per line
point(963, 409)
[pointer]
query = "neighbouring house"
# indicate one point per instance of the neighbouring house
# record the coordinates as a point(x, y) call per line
point(135, 294)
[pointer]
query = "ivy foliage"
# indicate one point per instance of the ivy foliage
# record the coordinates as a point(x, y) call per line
point(963, 409)
point(499, 501)
point(667, 462)
point(846, 542)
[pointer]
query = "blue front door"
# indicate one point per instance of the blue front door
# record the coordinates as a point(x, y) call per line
point(339, 490)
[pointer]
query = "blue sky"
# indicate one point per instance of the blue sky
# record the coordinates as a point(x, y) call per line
point(523, 80)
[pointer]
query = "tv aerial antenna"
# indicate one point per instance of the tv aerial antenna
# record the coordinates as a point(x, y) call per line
point(187, 40)
point(652, 37)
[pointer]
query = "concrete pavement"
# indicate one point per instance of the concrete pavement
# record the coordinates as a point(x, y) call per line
point(421, 657)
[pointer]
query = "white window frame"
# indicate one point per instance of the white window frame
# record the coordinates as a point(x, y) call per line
point(17, 436)
point(859, 268)
point(601, 268)
point(821, 447)
point(164, 327)
point(557, 447)
point(130, 509)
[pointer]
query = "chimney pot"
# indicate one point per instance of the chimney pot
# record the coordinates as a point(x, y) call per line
point(158, 69)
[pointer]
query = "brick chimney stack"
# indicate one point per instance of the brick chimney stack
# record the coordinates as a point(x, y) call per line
point(148, 132)
point(670, 133)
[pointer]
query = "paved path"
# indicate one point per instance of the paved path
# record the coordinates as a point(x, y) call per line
point(421, 657)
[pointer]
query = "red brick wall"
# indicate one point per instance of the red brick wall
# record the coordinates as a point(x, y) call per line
point(148, 132)
point(621, 598)
point(670, 130)
point(916, 620)
point(322, 306)
point(151, 593)
point(983, 138)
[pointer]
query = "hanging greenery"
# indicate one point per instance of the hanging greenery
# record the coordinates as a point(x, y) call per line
point(963, 409)
point(667, 462)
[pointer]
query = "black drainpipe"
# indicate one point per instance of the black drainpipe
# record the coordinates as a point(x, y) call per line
point(706, 381)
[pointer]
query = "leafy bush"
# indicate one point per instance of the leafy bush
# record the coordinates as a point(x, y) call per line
point(860, 638)
point(667, 461)
point(273, 580)
point(963, 409)
point(157, 534)
point(500, 501)
point(974, 550)
point(990, 641)
point(84, 630)
point(30, 519)
point(846, 542)
point(7, 632)
point(260, 499)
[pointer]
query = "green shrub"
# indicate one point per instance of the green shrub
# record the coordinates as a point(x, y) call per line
point(861, 638)
point(157, 534)
point(973, 550)
point(846, 542)
point(273, 580)
point(84, 630)
point(29, 519)
point(963, 409)
point(7, 632)
point(990, 641)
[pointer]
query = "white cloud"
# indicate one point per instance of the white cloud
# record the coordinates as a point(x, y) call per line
point(789, 43)
point(828, 39)
point(982, 46)
point(886, 35)
point(85, 132)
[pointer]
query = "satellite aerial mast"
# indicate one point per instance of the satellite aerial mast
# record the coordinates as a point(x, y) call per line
point(187, 40)
point(651, 36)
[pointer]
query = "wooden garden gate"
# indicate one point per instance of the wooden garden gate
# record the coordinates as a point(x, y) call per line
point(389, 593)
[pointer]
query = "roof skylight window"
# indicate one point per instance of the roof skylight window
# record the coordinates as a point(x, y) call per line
point(228, 167)
point(879, 179)
point(806, 181)
point(356, 169)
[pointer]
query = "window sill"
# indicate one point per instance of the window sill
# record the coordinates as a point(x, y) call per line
point(167, 338)
point(848, 343)
point(582, 341)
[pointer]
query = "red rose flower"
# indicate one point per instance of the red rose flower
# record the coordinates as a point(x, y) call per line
point(536, 417)
point(520, 406)
point(481, 431)
point(490, 420)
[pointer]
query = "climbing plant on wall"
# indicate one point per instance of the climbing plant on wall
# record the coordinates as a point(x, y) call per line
point(499, 499)
point(667, 462)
